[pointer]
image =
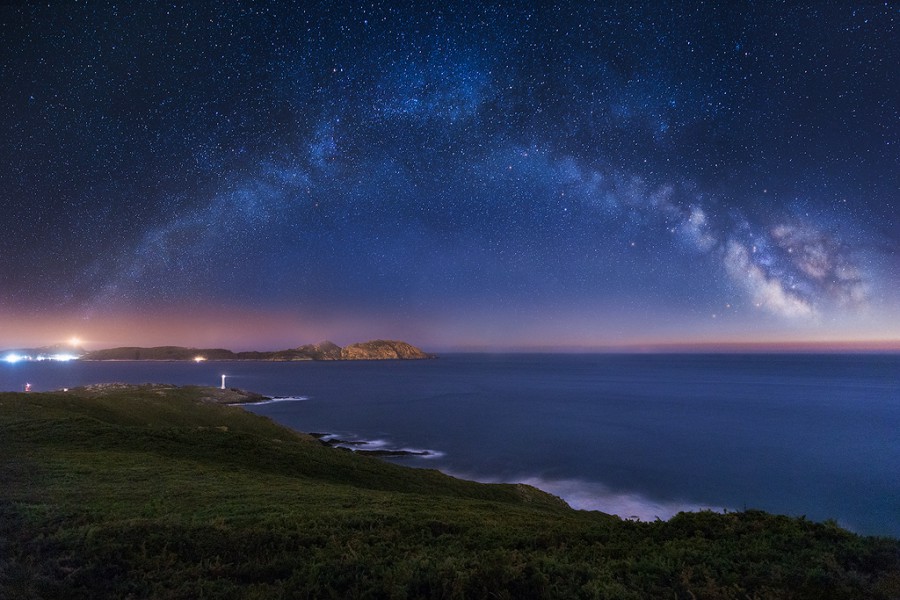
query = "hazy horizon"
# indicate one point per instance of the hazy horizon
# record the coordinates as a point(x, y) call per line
point(699, 347)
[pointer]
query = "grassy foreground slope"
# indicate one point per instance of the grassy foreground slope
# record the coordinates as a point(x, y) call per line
point(152, 492)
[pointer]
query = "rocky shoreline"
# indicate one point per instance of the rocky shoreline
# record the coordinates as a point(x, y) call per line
point(358, 447)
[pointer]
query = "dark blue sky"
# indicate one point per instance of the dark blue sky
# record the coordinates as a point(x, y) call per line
point(459, 174)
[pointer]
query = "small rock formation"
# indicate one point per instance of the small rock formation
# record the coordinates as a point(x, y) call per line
point(382, 350)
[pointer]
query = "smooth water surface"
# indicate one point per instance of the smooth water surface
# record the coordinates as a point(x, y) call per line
point(636, 435)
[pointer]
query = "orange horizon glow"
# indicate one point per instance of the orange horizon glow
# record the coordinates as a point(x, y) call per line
point(712, 347)
point(240, 330)
point(210, 328)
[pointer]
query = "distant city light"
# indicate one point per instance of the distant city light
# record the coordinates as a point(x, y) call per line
point(13, 357)
point(74, 341)
point(199, 358)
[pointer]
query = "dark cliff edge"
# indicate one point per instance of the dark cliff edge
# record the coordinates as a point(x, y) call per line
point(159, 491)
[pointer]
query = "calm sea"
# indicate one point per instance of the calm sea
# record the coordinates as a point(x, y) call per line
point(635, 435)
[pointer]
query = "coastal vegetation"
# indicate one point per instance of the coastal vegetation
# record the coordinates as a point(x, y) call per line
point(156, 491)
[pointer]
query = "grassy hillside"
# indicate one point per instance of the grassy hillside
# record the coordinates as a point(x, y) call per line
point(151, 492)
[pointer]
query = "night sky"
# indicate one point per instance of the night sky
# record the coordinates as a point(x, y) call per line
point(471, 175)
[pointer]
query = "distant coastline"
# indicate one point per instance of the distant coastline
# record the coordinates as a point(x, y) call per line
point(371, 350)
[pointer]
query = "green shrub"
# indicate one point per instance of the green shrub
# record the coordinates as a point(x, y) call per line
point(148, 492)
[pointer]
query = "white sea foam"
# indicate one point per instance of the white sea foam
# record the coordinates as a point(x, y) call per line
point(282, 399)
point(367, 444)
point(418, 452)
point(351, 442)
point(584, 495)
point(587, 495)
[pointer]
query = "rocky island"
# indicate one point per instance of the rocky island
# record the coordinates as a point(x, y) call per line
point(372, 350)
point(382, 350)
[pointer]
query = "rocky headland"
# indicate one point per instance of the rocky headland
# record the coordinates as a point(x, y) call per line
point(214, 395)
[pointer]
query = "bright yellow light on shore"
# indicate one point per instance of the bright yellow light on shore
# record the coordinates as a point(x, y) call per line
point(199, 358)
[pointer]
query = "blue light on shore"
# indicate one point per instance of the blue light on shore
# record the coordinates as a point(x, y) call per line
point(13, 358)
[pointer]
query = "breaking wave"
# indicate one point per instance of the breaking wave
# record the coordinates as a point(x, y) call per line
point(281, 399)
point(375, 446)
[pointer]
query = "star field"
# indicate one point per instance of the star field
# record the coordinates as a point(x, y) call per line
point(501, 175)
